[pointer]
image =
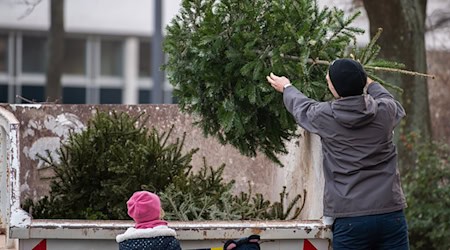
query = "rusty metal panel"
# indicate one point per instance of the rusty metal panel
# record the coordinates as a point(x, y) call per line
point(283, 235)
point(192, 230)
point(44, 127)
point(10, 170)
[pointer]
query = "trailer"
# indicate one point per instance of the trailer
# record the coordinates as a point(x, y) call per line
point(22, 136)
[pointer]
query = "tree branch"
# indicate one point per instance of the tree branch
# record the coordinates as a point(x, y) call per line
point(31, 5)
point(441, 19)
point(324, 62)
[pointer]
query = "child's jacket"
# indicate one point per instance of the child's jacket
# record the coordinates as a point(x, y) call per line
point(157, 238)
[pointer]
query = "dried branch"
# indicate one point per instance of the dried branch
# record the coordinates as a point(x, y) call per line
point(441, 18)
point(31, 5)
point(401, 71)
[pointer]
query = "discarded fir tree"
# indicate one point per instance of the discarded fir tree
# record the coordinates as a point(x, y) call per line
point(221, 51)
point(97, 170)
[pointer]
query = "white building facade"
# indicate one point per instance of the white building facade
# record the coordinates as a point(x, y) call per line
point(108, 48)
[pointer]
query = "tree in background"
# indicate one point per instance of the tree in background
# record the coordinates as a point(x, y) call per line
point(425, 163)
point(53, 89)
point(403, 40)
point(426, 189)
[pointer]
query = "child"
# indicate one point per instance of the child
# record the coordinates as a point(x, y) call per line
point(149, 232)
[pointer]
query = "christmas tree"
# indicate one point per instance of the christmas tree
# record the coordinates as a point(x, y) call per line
point(97, 171)
point(221, 51)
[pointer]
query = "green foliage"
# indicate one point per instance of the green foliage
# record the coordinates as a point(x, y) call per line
point(205, 196)
point(277, 210)
point(367, 56)
point(98, 170)
point(220, 53)
point(198, 196)
point(427, 189)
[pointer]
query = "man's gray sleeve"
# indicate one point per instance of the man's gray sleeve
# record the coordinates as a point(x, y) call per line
point(301, 107)
point(377, 91)
point(380, 94)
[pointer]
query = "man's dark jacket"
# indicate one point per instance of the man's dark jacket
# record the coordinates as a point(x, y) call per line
point(359, 156)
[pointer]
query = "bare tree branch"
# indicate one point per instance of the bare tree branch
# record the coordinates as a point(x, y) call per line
point(31, 5)
point(437, 19)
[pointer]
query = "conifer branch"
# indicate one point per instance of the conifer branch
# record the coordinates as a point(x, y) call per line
point(376, 68)
point(364, 56)
point(401, 71)
point(327, 63)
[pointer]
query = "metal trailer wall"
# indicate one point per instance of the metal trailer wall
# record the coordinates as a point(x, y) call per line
point(283, 235)
point(186, 245)
point(30, 129)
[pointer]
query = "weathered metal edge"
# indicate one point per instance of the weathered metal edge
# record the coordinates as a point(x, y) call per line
point(195, 230)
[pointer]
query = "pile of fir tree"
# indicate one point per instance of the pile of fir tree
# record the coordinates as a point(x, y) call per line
point(220, 53)
point(97, 170)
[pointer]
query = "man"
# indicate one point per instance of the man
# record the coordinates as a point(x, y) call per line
point(362, 184)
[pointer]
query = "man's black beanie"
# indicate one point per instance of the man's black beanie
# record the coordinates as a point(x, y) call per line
point(348, 77)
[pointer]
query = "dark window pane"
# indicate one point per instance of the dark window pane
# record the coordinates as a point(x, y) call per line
point(145, 96)
point(34, 54)
point(110, 96)
point(111, 58)
point(168, 96)
point(3, 92)
point(33, 93)
point(174, 99)
point(75, 56)
point(73, 95)
point(144, 59)
point(3, 53)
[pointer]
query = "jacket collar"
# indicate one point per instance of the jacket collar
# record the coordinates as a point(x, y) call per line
point(134, 233)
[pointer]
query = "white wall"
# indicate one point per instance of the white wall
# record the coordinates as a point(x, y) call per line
point(130, 17)
point(134, 17)
point(11, 12)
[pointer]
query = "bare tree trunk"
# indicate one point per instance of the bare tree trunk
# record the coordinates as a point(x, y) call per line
point(403, 40)
point(53, 87)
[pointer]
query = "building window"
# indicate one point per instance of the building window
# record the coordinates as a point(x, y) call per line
point(3, 92)
point(110, 96)
point(3, 53)
point(34, 54)
point(145, 96)
point(74, 95)
point(144, 59)
point(75, 56)
point(169, 97)
point(174, 99)
point(111, 58)
point(33, 93)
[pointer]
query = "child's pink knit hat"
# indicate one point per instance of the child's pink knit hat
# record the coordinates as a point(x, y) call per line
point(145, 209)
